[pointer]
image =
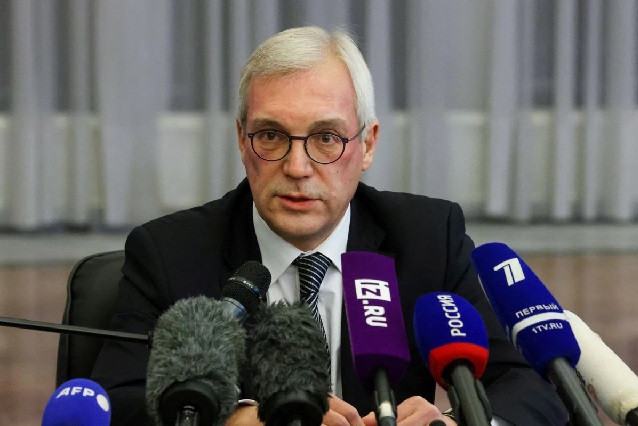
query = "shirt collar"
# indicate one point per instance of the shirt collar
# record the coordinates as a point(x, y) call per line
point(279, 253)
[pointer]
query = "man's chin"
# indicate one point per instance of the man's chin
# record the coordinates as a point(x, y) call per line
point(304, 236)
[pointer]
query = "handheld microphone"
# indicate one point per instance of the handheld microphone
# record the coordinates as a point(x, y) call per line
point(452, 341)
point(290, 364)
point(244, 291)
point(78, 402)
point(607, 378)
point(535, 324)
point(375, 324)
point(193, 367)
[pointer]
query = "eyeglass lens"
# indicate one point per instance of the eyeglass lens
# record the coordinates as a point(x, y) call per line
point(321, 147)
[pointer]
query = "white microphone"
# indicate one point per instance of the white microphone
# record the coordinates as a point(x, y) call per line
point(607, 378)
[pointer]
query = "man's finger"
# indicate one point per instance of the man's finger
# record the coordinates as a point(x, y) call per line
point(417, 411)
point(341, 413)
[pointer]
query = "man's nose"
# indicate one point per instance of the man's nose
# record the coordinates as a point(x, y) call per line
point(297, 164)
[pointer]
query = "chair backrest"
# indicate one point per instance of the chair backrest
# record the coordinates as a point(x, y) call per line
point(91, 295)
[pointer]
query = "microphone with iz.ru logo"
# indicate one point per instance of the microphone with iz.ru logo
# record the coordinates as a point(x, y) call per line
point(376, 328)
point(368, 289)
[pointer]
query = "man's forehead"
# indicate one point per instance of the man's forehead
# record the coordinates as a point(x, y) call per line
point(333, 68)
point(307, 99)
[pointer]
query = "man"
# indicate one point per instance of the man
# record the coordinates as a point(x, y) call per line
point(306, 131)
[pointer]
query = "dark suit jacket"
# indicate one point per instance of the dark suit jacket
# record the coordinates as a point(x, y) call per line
point(194, 252)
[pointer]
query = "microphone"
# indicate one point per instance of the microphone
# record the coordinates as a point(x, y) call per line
point(78, 402)
point(535, 324)
point(290, 364)
point(240, 296)
point(193, 366)
point(375, 324)
point(244, 291)
point(452, 341)
point(607, 378)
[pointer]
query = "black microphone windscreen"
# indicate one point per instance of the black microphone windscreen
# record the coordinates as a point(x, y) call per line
point(287, 353)
point(248, 285)
point(196, 340)
point(256, 273)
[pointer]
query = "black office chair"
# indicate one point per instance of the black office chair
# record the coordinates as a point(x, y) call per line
point(91, 295)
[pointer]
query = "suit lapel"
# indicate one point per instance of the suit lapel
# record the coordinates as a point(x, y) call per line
point(241, 245)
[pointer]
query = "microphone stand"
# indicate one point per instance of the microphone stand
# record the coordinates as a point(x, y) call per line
point(187, 417)
point(189, 403)
point(467, 395)
point(291, 408)
point(74, 329)
point(383, 398)
point(571, 392)
point(632, 418)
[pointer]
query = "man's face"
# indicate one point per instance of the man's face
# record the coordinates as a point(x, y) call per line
point(300, 200)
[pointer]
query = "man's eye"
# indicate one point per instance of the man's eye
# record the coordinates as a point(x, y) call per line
point(271, 136)
point(327, 138)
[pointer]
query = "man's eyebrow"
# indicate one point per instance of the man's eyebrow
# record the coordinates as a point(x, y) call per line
point(265, 122)
point(333, 123)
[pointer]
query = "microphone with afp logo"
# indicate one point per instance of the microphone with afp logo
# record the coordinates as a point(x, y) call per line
point(78, 402)
point(375, 324)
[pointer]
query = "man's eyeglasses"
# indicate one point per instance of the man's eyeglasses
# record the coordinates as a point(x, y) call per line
point(322, 148)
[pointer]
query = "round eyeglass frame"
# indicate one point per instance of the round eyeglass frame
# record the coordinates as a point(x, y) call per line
point(305, 143)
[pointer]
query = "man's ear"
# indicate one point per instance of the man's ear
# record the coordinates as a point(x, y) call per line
point(240, 140)
point(370, 143)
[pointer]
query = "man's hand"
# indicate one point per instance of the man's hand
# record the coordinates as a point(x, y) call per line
point(341, 414)
point(244, 415)
point(414, 411)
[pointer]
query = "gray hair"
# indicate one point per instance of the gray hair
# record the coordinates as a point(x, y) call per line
point(300, 48)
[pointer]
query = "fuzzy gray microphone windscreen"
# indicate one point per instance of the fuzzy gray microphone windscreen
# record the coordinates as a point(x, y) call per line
point(196, 341)
point(288, 355)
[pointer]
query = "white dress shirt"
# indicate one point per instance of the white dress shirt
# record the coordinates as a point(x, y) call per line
point(277, 255)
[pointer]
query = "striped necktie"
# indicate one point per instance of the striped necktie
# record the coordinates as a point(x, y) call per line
point(312, 268)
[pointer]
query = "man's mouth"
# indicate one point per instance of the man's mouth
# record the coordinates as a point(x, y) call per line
point(296, 197)
point(297, 201)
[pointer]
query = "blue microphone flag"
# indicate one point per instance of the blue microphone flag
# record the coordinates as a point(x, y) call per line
point(531, 316)
point(80, 402)
point(447, 329)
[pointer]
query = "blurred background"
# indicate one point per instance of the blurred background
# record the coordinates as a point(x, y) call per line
point(117, 111)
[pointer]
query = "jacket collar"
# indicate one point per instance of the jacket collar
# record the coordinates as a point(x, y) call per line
point(365, 234)
point(242, 243)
